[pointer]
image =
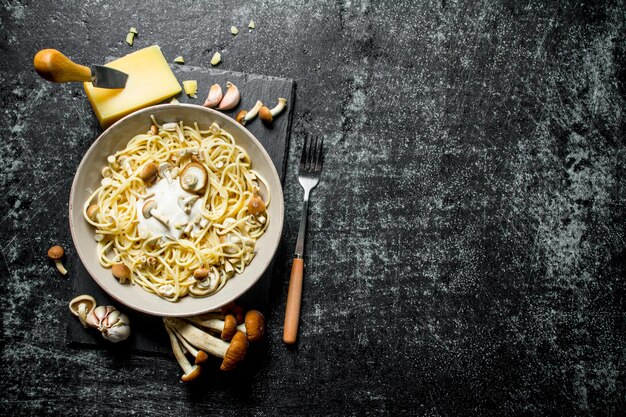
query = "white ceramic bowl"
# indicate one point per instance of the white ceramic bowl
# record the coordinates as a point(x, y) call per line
point(88, 178)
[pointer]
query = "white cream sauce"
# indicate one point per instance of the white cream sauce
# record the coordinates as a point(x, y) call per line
point(166, 196)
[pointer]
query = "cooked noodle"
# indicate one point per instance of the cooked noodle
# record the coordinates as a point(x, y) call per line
point(223, 234)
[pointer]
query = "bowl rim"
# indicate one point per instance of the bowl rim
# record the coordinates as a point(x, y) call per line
point(277, 195)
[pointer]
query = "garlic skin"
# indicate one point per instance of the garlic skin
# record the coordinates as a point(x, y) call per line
point(215, 96)
point(231, 98)
point(113, 324)
point(97, 315)
point(117, 327)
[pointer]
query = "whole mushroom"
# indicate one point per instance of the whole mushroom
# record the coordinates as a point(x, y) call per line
point(121, 272)
point(81, 306)
point(232, 353)
point(56, 253)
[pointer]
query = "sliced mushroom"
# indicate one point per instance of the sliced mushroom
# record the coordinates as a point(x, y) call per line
point(121, 272)
point(164, 171)
point(187, 203)
point(194, 178)
point(190, 372)
point(56, 254)
point(81, 306)
point(150, 210)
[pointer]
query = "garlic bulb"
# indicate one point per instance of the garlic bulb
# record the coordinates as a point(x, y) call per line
point(113, 325)
point(117, 327)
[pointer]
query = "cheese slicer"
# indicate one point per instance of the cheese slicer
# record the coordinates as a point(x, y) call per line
point(53, 66)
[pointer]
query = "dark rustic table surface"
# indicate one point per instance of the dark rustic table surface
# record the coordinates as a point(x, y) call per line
point(465, 254)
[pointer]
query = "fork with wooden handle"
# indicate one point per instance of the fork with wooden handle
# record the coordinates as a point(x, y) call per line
point(308, 176)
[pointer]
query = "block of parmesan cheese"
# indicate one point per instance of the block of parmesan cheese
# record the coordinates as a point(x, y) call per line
point(150, 81)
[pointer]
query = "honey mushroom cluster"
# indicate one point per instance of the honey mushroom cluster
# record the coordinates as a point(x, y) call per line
point(225, 335)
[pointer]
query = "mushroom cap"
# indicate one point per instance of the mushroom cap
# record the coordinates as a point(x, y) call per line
point(266, 115)
point(201, 274)
point(194, 178)
point(256, 205)
point(235, 352)
point(149, 205)
point(56, 252)
point(240, 116)
point(82, 299)
point(230, 327)
point(201, 357)
point(149, 172)
point(255, 325)
point(193, 373)
point(234, 309)
point(121, 272)
point(92, 210)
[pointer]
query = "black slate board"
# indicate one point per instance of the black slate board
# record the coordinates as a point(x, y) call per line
point(148, 335)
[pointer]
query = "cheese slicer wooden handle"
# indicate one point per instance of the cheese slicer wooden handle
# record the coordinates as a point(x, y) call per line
point(53, 66)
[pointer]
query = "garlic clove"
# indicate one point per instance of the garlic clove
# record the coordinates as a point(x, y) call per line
point(111, 319)
point(98, 314)
point(215, 96)
point(119, 331)
point(231, 98)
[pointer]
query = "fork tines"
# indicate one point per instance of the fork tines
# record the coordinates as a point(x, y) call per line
point(312, 157)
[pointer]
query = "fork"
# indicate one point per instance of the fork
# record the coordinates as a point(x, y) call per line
point(308, 176)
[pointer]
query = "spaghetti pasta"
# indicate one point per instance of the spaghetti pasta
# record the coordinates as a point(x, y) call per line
point(212, 228)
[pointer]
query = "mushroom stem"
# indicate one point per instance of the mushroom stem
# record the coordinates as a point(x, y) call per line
point(190, 372)
point(157, 215)
point(60, 267)
point(82, 314)
point(253, 326)
point(197, 337)
point(279, 107)
point(150, 210)
point(231, 353)
point(199, 355)
point(227, 327)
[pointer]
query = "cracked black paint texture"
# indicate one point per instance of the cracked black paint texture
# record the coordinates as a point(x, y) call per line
point(465, 251)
